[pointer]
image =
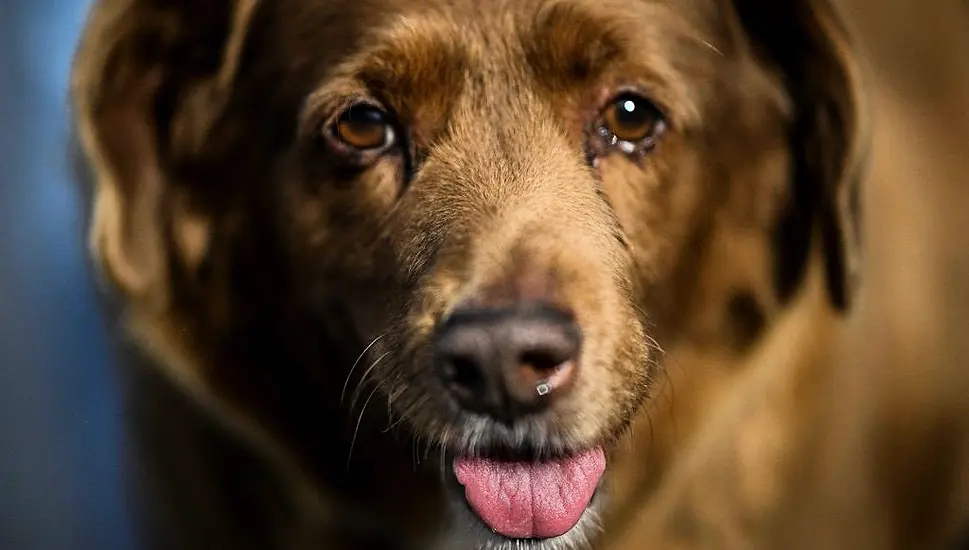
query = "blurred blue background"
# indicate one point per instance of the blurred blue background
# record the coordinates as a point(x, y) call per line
point(60, 437)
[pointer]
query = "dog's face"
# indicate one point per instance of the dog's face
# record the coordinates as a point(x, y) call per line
point(507, 203)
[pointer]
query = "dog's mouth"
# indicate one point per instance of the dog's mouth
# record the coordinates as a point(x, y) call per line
point(531, 499)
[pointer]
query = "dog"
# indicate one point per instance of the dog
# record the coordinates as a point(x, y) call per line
point(454, 274)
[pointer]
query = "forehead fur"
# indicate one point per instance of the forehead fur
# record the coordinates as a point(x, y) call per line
point(422, 54)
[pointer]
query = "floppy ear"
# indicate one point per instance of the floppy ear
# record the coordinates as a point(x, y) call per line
point(808, 45)
point(150, 78)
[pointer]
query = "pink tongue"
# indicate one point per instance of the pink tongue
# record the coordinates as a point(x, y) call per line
point(524, 500)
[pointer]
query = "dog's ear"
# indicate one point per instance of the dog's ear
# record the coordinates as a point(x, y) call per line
point(808, 45)
point(150, 78)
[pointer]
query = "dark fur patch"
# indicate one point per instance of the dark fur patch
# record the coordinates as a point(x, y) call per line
point(746, 320)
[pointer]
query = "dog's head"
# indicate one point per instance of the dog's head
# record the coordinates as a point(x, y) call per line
point(502, 205)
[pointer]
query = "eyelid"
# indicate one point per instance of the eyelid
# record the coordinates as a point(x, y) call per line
point(627, 147)
point(323, 108)
point(384, 120)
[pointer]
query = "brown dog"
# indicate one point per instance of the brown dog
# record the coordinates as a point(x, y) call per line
point(422, 265)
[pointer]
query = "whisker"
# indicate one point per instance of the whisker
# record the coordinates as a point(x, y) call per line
point(415, 452)
point(356, 430)
point(406, 414)
point(629, 439)
point(364, 378)
point(427, 449)
point(711, 46)
point(346, 383)
point(445, 436)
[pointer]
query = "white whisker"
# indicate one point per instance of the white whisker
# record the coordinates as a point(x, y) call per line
point(357, 429)
point(364, 378)
point(407, 413)
point(357, 362)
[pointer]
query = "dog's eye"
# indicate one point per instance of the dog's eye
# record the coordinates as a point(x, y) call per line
point(631, 121)
point(364, 127)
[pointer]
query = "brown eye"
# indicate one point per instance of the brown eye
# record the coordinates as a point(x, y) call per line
point(631, 119)
point(364, 127)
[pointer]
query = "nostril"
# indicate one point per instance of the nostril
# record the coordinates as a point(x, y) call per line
point(463, 373)
point(471, 381)
point(541, 372)
point(543, 362)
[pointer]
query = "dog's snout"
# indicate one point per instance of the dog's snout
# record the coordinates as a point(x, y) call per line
point(507, 362)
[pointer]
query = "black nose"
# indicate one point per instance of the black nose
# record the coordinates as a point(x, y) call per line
point(507, 362)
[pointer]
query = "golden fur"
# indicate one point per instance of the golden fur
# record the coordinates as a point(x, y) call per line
point(290, 289)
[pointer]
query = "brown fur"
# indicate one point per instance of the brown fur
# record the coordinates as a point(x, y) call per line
point(857, 438)
point(292, 294)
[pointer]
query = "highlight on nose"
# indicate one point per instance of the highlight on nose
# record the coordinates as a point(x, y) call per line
point(507, 362)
